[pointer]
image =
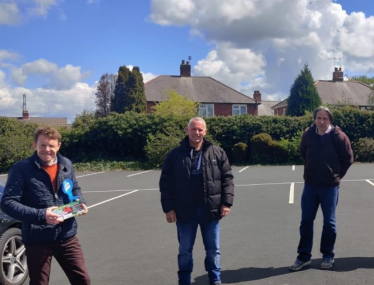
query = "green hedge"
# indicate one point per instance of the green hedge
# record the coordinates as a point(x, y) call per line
point(133, 136)
point(15, 142)
point(120, 136)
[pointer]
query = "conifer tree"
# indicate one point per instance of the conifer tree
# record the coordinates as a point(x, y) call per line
point(129, 94)
point(135, 96)
point(303, 95)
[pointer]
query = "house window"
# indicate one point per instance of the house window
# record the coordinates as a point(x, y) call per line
point(206, 110)
point(239, 110)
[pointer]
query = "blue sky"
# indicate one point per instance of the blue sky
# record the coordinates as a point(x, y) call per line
point(56, 50)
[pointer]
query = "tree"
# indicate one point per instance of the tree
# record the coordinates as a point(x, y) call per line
point(176, 104)
point(135, 96)
point(105, 94)
point(303, 95)
point(118, 100)
point(129, 92)
point(364, 79)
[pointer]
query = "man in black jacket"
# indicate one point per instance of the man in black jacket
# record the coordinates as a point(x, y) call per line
point(33, 190)
point(197, 188)
point(328, 155)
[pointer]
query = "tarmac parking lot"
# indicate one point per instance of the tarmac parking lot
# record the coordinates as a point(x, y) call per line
point(126, 239)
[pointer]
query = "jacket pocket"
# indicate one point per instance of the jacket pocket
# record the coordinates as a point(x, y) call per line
point(44, 233)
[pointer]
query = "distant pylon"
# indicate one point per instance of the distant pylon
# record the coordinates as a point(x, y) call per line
point(24, 103)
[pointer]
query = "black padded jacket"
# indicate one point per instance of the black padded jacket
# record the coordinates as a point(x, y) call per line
point(176, 193)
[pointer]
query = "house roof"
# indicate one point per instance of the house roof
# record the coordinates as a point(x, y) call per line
point(344, 92)
point(265, 109)
point(53, 122)
point(280, 104)
point(198, 89)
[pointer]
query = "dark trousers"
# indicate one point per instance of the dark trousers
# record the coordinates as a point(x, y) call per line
point(68, 254)
point(312, 197)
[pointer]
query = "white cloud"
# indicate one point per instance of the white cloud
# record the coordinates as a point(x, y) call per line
point(269, 41)
point(7, 55)
point(231, 66)
point(66, 77)
point(13, 12)
point(47, 102)
point(9, 14)
point(172, 12)
point(148, 76)
point(41, 7)
point(60, 79)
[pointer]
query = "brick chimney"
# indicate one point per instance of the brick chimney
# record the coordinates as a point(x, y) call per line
point(337, 74)
point(185, 69)
point(25, 115)
point(257, 96)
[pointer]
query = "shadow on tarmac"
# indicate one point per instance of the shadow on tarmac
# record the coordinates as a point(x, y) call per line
point(344, 264)
point(244, 274)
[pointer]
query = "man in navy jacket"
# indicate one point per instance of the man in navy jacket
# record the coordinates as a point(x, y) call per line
point(33, 190)
point(327, 152)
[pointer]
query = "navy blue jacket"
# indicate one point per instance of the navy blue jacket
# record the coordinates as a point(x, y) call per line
point(175, 187)
point(327, 158)
point(29, 192)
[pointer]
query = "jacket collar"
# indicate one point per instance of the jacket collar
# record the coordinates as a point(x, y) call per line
point(186, 144)
point(60, 161)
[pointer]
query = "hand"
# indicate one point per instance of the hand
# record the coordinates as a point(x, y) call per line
point(52, 218)
point(85, 210)
point(225, 211)
point(171, 217)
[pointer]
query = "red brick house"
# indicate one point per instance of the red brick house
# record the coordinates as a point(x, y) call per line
point(338, 92)
point(215, 98)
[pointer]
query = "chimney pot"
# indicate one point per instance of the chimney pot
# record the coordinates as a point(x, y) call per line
point(337, 75)
point(185, 69)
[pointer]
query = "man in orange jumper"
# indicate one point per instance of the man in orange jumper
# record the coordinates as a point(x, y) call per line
point(33, 190)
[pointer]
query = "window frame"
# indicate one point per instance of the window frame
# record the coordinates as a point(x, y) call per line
point(206, 109)
point(239, 105)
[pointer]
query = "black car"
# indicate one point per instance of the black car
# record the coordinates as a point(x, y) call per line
point(13, 270)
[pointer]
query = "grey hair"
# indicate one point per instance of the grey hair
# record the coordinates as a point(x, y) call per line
point(323, 108)
point(197, 119)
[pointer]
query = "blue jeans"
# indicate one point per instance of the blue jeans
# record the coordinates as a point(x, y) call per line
point(311, 198)
point(186, 238)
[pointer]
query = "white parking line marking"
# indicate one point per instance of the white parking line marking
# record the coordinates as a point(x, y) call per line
point(292, 192)
point(280, 183)
point(139, 173)
point(293, 167)
point(121, 190)
point(90, 174)
point(243, 169)
point(368, 181)
point(358, 180)
point(106, 201)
